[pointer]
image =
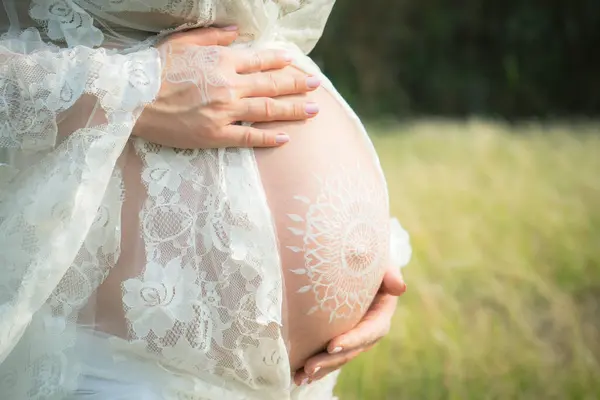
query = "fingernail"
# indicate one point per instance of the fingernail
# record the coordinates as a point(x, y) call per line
point(282, 138)
point(316, 370)
point(311, 108)
point(335, 350)
point(304, 381)
point(313, 82)
point(230, 28)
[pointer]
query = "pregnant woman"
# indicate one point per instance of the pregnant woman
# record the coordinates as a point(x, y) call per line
point(139, 271)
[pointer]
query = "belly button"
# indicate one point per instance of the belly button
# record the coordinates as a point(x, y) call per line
point(361, 250)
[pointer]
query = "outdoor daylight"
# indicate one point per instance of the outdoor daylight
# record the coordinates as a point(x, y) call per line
point(485, 117)
point(299, 200)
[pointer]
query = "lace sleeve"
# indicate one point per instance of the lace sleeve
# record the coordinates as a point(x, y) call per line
point(65, 116)
point(42, 84)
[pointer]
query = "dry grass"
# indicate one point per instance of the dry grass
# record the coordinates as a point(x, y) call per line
point(504, 285)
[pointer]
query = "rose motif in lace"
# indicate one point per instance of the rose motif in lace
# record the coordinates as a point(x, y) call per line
point(64, 20)
point(205, 297)
point(161, 297)
point(225, 317)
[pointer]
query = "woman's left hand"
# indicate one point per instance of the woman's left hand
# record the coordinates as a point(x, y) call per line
point(374, 326)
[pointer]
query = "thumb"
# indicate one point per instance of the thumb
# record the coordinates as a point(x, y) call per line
point(206, 36)
point(393, 283)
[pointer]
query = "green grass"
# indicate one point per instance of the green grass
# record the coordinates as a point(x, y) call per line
point(503, 296)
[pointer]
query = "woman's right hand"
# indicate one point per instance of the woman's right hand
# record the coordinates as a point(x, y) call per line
point(207, 87)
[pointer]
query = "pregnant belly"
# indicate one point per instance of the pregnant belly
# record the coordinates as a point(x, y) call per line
point(329, 203)
point(178, 286)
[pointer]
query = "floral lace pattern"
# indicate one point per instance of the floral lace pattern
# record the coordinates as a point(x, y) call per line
point(184, 9)
point(208, 298)
point(45, 81)
point(59, 206)
point(209, 258)
point(64, 20)
point(163, 296)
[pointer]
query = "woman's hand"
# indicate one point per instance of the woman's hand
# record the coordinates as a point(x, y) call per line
point(207, 87)
point(374, 326)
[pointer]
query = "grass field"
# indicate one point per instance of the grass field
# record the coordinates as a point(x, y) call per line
point(503, 296)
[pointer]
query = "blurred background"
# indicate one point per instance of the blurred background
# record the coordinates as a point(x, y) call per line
point(485, 116)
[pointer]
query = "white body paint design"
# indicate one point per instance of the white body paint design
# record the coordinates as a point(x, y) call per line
point(345, 235)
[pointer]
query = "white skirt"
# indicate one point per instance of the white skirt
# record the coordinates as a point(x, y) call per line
point(112, 369)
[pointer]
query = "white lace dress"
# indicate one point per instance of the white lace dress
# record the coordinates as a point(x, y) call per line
point(132, 271)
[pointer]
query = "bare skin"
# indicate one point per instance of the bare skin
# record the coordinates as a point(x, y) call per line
point(261, 101)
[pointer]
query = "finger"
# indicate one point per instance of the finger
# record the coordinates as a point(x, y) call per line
point(393, 283)
point(205, 36)
point(249, 61)
point(322, 364)
point(301, 377)
point(330, 365)
point(246, 136)
point(374, 325)
point(267, 109)
point(276, 83)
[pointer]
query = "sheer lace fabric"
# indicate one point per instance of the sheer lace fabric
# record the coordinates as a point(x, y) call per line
point(166, 259)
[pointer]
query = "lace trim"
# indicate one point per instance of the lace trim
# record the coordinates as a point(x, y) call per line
point(40, 81)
